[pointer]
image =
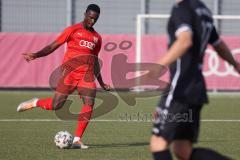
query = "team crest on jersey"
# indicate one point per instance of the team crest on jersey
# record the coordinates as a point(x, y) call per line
point(95, 39)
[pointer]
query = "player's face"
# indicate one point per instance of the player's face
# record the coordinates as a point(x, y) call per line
point(91, 18)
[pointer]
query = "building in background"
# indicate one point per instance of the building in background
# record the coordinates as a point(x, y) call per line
point(117, 17)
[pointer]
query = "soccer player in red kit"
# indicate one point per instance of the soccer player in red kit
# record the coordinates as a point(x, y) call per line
point(81, 64)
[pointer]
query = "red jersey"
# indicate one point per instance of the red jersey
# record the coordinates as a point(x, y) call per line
point(80, 42)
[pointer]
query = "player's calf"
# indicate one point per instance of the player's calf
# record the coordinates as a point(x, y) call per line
point(159, 148)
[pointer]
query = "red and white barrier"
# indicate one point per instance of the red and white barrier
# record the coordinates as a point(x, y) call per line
point(15, 72)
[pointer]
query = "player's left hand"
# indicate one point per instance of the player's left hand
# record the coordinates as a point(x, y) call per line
point(106, 87)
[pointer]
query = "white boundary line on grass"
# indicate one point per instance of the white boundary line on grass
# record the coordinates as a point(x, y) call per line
point(106, 120)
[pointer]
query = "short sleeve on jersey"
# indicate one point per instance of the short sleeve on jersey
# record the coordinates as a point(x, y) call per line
point(214, 37)
point(63, 37)
point(98, 47)
point(183, 28)
point(182, 18)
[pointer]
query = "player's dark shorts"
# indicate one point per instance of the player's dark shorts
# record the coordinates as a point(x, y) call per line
point(179, 121)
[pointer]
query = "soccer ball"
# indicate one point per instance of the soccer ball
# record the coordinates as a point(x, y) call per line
point(63, 139)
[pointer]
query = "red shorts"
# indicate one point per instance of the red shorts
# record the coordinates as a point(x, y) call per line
point(83, 82)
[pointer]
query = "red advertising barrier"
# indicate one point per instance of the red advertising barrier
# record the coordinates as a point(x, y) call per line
point(118, 51)
point(15, 72)
point(218, 74)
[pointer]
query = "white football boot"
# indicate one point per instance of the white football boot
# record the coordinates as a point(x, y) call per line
point(79, 145)
point(27, 105)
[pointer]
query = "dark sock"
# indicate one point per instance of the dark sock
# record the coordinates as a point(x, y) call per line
point(206, 154)
point(162, 155)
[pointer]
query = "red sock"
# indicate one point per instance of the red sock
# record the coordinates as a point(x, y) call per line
point(45, 103)
point(83, 119)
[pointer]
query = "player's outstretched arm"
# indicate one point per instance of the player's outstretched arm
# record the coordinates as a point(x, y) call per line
point(29, 56)
point(225, 53)
point(97, 73)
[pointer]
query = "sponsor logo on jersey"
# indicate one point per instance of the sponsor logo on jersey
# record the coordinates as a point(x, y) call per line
point(87, 44)
point(95, 39)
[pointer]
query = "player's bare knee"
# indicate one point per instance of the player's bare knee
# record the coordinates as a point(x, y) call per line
point(57, 105)
point(158, 144)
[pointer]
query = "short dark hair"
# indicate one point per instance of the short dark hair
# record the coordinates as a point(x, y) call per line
point(93, 7)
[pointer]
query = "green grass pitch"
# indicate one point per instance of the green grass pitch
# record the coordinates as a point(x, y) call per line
point(108, 138)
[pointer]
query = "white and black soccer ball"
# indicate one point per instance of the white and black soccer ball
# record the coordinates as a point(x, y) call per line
point(63, 139)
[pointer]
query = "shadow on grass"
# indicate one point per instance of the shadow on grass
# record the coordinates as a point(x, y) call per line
point(219, 140)
point(136, 144)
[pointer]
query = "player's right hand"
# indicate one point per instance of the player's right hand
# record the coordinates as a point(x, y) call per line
point(106, 87)
point(29, 56)
point(155, 72)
